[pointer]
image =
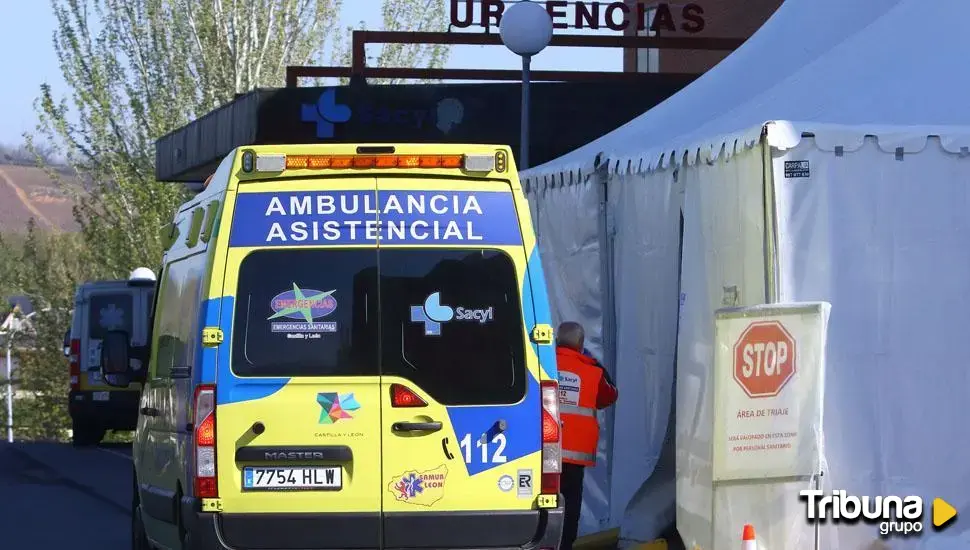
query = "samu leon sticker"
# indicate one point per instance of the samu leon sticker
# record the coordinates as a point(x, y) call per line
point(303, 307)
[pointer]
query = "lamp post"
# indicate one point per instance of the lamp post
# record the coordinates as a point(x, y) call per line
point(526, 30)
point(9, 392)
point(8, 345)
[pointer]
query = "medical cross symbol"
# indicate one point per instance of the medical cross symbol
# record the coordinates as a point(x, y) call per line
point(325, 113)
point(432, 314)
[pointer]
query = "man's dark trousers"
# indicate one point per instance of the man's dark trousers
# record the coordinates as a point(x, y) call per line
point(571, 485)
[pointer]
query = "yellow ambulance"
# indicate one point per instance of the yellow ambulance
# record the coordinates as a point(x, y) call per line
point(351, 348)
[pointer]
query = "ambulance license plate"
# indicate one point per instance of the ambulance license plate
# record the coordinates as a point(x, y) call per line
point(306, 478)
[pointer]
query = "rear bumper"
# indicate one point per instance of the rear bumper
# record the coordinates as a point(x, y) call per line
point(119, 412)
point(214, 531)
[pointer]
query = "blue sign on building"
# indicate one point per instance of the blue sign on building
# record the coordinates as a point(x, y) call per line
point(325, 113)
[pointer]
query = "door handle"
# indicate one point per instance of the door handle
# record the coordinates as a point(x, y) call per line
point(416, 426)
point(149, 411)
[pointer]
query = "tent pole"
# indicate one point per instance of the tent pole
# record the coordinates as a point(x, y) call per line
point(607, 232)
point(770, 221)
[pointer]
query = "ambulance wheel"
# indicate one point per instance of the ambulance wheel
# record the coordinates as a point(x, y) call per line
point(139, 538)
point(185, 536)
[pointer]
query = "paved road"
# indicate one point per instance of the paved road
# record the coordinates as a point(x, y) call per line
point(77, 487)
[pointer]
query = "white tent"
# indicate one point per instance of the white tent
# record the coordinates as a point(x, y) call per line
point(875, 223)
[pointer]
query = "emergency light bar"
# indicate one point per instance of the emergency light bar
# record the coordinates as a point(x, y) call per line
point(278, 162)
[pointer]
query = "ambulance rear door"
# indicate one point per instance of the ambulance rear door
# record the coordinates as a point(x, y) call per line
point(461, 416)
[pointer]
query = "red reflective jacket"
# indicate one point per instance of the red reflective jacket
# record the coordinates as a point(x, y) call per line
point(583, 389)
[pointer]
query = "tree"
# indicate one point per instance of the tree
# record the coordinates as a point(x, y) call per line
point(42, 378)
point(47, 268)
point(10, 250)
point(413, 15)
point(50, 267)
point(138, 69)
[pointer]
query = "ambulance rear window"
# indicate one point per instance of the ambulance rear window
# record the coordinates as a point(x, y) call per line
point(306, 313)
point(451, 323)
point(448, 320)
point(109, 312)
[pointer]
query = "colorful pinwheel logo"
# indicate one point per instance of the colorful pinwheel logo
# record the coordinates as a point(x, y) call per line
point(336, 406)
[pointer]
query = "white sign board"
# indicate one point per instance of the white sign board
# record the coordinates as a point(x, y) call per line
point(768, 384)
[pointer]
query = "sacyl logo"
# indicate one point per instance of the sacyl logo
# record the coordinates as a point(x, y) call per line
point(433, 313)
point(894, 515)
point(325, 113)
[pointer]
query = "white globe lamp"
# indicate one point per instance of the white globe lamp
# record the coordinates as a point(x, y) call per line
point(526, 30)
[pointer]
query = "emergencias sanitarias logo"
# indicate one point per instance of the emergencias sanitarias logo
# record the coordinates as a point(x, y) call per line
point(894, 515)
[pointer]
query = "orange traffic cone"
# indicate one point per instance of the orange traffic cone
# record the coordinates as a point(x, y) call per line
point(747, 538)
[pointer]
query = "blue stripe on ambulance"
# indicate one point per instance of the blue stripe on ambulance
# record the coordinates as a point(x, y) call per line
point(523, 433)
point(208, 317)
point(536, 308)
point(215, 360)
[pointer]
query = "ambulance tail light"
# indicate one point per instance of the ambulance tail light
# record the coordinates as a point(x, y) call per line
point(402, 396)
point(204, 417)
point(75, 364)
point(551, 438)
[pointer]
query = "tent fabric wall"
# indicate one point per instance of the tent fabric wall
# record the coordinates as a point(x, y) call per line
point(644, 213)
point(645, 216)
point(567, 222)
point(884, 240)
point(723, 265)
point(878, 236)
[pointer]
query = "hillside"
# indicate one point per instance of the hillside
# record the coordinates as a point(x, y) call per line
point(28, 192)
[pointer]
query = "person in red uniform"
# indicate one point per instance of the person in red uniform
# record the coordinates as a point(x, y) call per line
point(584, 388)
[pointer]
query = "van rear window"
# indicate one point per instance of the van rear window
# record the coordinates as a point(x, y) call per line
point(448, 320)
point(109, 312)
point(306, 313)
point(451, 322)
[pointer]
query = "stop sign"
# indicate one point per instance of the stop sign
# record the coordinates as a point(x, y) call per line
point(764, 359)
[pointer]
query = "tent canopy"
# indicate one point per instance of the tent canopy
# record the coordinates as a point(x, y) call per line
point(865, 62)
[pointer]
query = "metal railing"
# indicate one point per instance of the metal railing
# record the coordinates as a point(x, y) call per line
point(360, 69)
